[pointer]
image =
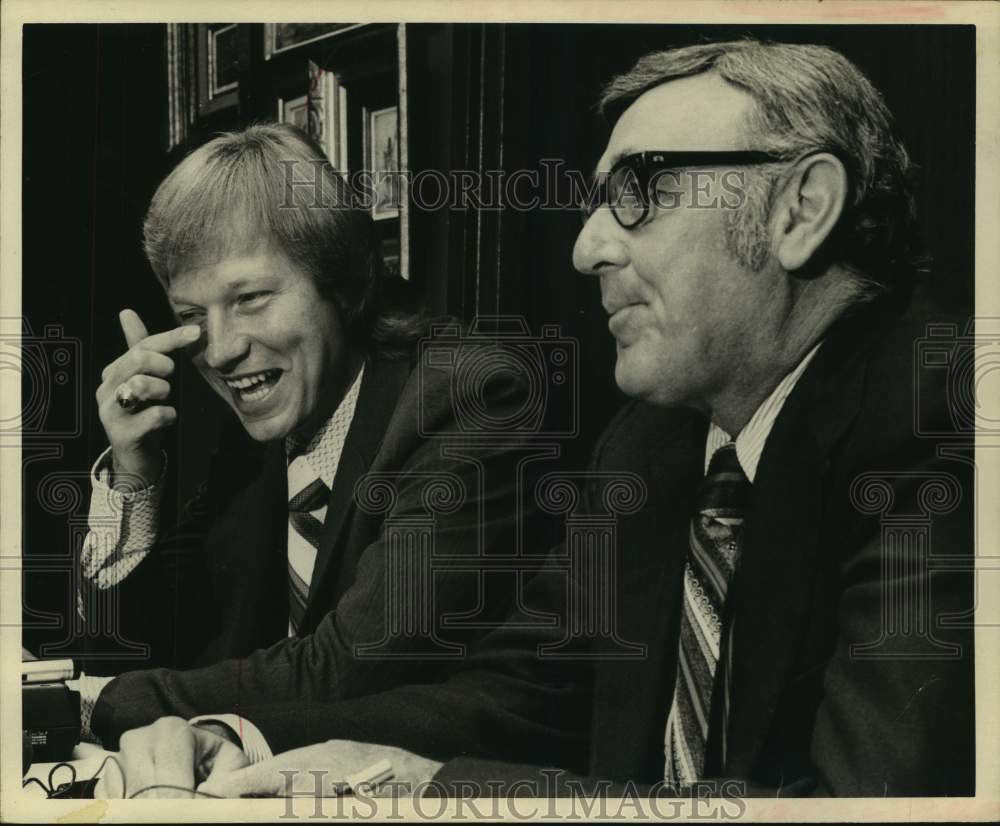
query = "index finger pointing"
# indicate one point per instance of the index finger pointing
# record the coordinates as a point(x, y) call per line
point(172, 339)
point(135, 331)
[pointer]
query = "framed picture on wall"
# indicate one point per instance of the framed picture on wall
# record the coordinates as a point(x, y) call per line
point(280, 37)
point(321, 113)
point(223, 59)
point(295, 112)
point(382, 151)
point(328, 114)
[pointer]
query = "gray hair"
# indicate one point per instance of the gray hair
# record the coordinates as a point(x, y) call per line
point(808, 99)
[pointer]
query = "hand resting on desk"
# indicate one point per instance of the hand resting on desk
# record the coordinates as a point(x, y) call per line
point(169, 758)
point(331, 766)
point(173, 753)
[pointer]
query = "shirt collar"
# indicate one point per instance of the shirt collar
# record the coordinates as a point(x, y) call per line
point(751, 439)
point(323, 451)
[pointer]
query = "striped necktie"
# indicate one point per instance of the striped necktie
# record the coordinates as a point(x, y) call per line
point(713, 554)
point(306, 511)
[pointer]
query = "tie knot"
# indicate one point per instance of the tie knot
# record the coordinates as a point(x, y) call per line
point(726, 485)
point(725, 460)
point(312, 497)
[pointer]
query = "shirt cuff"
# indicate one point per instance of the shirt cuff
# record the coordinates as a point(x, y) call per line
point(89, 689)
point(255, 747)
point(123, 522)
point(125, 489)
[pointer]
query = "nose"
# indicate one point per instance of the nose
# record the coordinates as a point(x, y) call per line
point(600, 247)
point(226, 344)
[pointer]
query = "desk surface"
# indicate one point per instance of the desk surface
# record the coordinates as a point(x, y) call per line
point(87, 758)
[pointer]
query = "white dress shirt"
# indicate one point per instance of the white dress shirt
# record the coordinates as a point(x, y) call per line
point(751, 439)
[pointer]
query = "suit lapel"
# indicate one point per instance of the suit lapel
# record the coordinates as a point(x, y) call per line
point(247, 547)
point(772, 590)
point(381, 387)
point(774, 586)
point(633, 696)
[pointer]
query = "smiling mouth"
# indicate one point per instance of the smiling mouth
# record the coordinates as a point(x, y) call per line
point(253, 387)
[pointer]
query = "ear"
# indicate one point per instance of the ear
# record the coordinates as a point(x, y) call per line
point(808, 208)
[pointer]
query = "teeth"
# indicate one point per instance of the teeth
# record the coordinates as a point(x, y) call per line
point(256, 393)
point(246, 381)
point(252, 388)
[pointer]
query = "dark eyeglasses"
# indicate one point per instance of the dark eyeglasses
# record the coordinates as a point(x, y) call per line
point(627, 188)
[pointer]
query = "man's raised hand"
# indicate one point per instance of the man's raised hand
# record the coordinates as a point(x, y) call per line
point(141, 373)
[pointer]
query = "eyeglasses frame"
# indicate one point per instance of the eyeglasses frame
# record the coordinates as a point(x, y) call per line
point(644, 164)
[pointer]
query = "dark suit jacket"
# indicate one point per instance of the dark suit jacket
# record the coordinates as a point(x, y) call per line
point(216, 589)
point(825, 698)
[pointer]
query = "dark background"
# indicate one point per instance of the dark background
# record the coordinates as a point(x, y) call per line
point(479, 96)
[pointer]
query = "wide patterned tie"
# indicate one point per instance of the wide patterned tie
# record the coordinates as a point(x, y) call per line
point(713, 553)
point(306, 510)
